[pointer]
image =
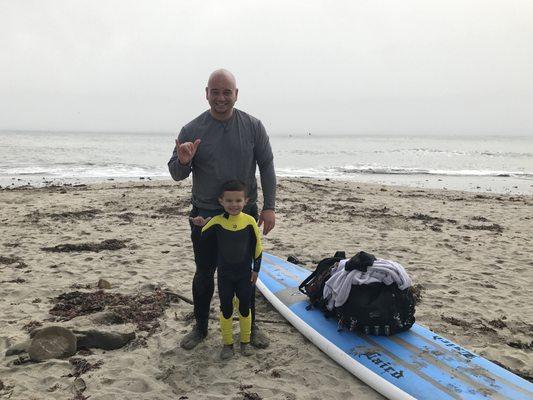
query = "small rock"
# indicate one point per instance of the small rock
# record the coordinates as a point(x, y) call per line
point(107, 318)
point(53, 388)
point(150, 287)
point(103, 284)
point(79, 385)
point(103, 340)
point(18, 348)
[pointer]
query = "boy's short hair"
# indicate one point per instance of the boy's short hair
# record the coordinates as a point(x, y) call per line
point(234, 185)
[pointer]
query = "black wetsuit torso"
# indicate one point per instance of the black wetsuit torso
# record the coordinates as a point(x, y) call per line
point(237, 243)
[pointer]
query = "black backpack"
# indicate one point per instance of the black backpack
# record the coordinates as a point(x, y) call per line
point(376, 309)
point(313, 285)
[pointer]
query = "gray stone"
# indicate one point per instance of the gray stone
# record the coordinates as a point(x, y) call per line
point(52, 342)
point(18, 348)
point(103, 284)
point(102, 340)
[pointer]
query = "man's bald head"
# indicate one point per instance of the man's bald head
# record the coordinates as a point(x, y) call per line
point(222, 75)
point(221, 93)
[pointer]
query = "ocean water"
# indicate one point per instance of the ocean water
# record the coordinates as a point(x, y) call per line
point(473, 163)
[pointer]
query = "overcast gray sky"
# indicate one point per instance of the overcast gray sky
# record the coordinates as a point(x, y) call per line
point(424, 66)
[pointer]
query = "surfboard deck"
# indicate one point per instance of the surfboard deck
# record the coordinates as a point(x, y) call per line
point(417, 364)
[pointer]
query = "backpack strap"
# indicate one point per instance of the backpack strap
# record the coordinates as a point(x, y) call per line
point(322, 265)
point(301, 288)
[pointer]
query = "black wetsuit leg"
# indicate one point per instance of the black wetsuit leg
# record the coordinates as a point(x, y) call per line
point(234, 282)
point(226, 291)
point(203, 284)
point(243, 291)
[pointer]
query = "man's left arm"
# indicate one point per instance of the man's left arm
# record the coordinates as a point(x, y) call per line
point(265, 161)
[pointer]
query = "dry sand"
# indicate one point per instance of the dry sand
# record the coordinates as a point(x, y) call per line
point(472, 254)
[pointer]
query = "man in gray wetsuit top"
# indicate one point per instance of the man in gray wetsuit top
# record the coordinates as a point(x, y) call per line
point(220, 145)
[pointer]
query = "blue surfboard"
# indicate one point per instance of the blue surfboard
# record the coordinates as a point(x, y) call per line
point(417, 364)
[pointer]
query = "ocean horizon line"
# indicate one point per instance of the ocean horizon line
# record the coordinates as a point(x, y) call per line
point(288, 133)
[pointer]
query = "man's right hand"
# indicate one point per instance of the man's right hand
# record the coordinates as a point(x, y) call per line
point(186, 151)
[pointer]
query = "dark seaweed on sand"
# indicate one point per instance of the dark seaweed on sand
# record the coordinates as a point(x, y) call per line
point(81, 366)
point(110, 244)
point(80, 396)
point(141, 309)
point(15, 261)
point(494, 227)
point(31, 326)
point(251, 396)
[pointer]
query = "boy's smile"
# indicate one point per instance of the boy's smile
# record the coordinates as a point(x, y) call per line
point(233, 201)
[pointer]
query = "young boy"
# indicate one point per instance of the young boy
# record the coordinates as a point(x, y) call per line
point(235, 238)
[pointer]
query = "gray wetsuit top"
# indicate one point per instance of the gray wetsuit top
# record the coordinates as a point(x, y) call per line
point(228, 150)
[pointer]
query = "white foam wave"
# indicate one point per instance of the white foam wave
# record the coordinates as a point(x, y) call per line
point(381, 170)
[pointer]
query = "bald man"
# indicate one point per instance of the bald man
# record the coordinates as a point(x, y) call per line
point(220, 145)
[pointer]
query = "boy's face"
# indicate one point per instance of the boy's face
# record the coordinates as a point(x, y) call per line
point(233, 202)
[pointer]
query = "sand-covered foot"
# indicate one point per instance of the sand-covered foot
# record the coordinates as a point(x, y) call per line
point(227, 352)
point(192, 339)
point(258, 339)
point(246, 349)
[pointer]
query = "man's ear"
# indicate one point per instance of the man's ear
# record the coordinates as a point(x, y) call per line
point(206, 93)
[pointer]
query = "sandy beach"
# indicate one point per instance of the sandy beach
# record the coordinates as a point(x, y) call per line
point(470, 253)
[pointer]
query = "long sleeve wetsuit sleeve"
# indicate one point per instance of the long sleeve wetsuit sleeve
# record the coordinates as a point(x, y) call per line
point(265, 161)
point(258, 254)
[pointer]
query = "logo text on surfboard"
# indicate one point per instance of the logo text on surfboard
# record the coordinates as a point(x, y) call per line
point(375, 357)
point(465, 353)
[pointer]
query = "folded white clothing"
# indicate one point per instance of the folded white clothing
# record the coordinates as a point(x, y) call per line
point(338, 286)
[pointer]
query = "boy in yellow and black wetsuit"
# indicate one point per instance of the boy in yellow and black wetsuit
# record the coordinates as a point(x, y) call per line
point(235, 238)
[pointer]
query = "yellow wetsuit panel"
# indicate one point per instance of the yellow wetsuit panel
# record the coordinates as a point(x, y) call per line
point(238, 239)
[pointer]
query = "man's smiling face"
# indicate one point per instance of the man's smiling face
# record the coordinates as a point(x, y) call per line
point(221, 94)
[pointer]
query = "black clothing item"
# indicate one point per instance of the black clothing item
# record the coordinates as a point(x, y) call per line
point(231, 283)
point(361, 261)
point(203, 284)
point(235, 239)
point(378, 309)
